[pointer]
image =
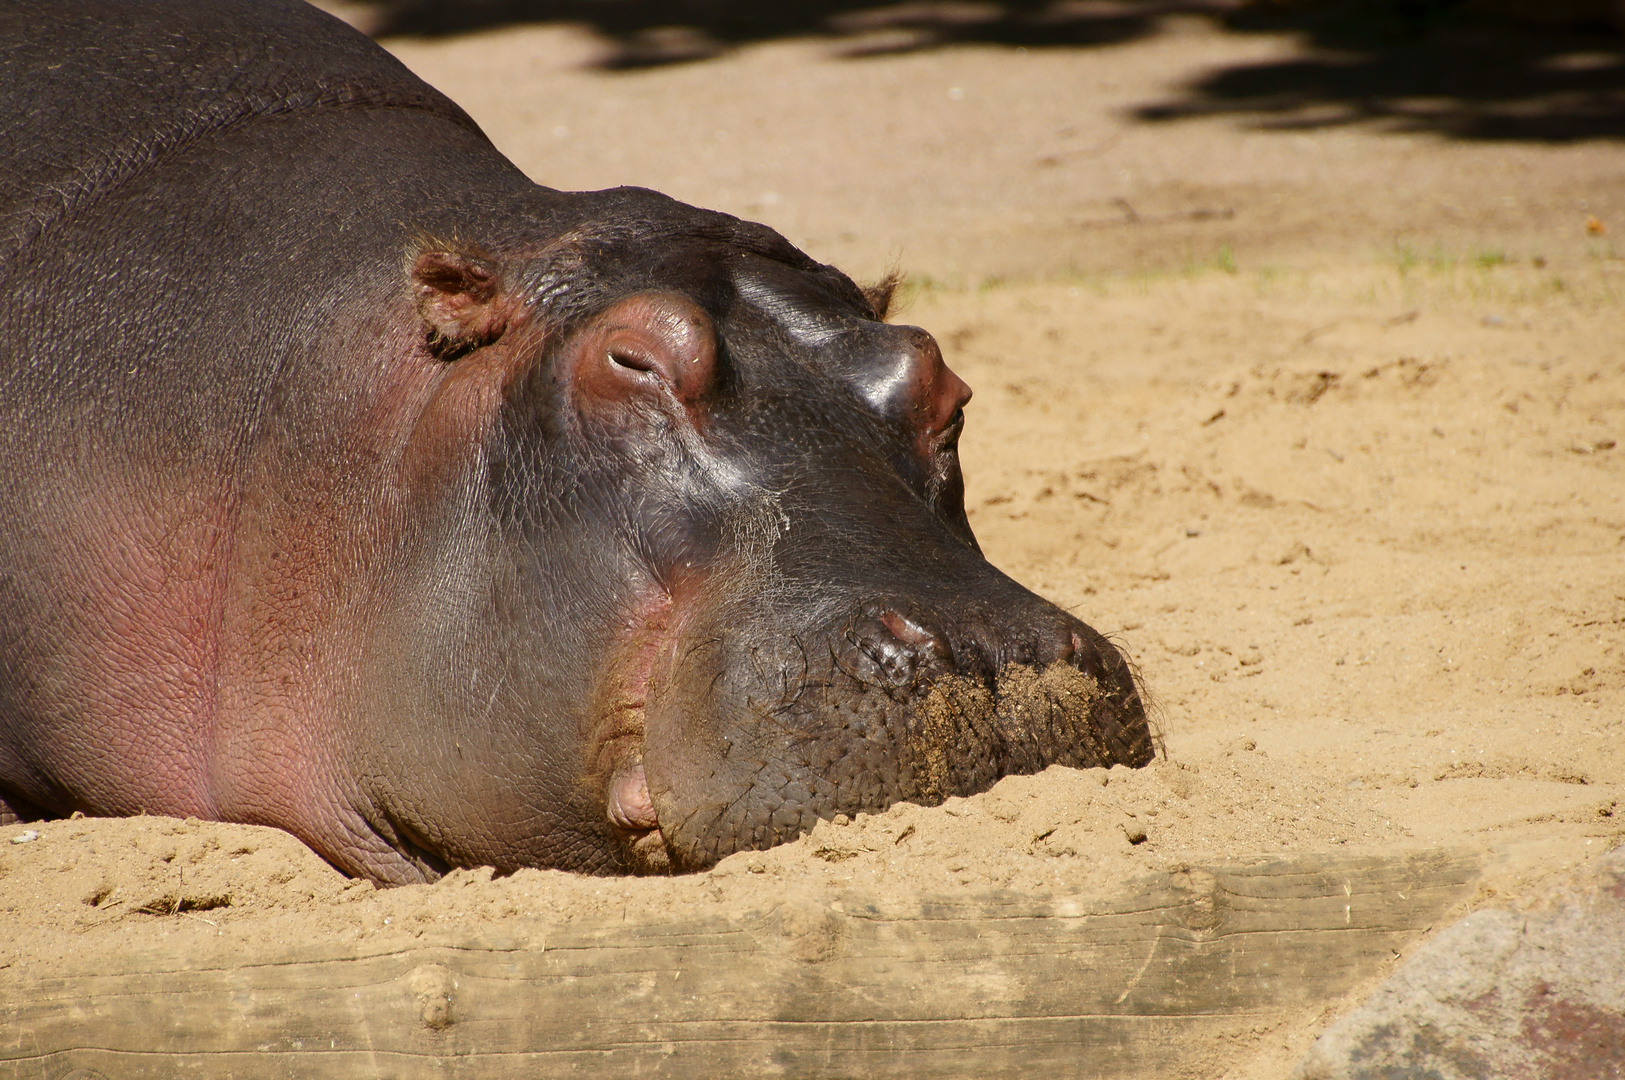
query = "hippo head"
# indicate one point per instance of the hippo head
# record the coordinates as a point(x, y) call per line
point(736, 571)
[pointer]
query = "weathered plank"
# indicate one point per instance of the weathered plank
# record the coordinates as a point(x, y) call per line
point(986, 986)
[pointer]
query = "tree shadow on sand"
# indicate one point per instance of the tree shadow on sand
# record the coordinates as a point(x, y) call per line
point(1417, 65)
point(1420, 67)
point(647, 33)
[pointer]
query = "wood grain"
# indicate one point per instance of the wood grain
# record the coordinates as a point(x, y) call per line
point(991, 985)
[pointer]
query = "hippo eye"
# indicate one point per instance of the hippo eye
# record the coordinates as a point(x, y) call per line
point(634, 361)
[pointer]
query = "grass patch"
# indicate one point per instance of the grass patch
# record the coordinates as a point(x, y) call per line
point(915, 287)
point(1223, 260)
point(1404, 258)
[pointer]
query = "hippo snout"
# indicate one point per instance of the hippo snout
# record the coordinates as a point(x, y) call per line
point(905, 702)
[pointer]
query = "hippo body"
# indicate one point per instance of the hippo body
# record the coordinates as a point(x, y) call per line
point(359, 486)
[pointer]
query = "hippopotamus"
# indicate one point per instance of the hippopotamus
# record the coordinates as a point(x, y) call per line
point(359, 486)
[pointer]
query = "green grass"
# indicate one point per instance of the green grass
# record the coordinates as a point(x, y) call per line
point(1223, 260)
point(915, 287)
point(1438, 259)
point(1402, 276)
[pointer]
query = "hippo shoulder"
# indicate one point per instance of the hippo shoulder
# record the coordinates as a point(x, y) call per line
point(94, 91)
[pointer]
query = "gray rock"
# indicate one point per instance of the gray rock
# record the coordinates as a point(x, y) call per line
point(1535, 992)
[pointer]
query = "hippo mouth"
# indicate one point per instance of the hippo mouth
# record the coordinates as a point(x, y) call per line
point(628, 805)
point(619, 741)
point(632, 813)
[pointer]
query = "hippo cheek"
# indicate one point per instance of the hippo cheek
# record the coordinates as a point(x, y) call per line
point(684, 770)
point(735, 761)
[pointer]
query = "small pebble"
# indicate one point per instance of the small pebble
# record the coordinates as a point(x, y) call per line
point(25, 837)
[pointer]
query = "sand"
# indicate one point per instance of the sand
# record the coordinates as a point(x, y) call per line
point(1320, 421)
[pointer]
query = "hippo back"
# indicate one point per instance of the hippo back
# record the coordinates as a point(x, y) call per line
point(93, 91)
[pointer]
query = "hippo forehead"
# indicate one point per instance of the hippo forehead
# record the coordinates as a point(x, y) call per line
point(626, 240)
point(810, 308)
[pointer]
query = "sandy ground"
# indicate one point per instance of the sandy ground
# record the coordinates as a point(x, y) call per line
point(1318, 413)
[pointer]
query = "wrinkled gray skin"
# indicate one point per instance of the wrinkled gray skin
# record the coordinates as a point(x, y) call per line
point(358, 486)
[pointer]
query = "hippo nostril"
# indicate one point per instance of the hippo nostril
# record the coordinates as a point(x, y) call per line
point(929, 646)
point(1086, 657)
point(1058, 644)
point(904, 629)
point(893, 656)
point(901, 647)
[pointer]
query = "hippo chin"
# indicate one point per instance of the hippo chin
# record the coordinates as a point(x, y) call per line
point(361, 487)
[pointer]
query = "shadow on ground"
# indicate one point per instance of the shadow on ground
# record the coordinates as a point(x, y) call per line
point(645, 33)
point(1421, 67)
point(1424, 65)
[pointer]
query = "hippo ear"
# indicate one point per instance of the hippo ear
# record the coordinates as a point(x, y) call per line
point(461, 299)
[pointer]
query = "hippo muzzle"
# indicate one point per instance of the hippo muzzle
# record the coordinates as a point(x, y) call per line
point(747, 749)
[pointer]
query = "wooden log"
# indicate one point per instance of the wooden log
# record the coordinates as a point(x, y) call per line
point(992, 985)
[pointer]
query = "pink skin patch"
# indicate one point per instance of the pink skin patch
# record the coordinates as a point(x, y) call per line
point(630, 807)
point(627, 802)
